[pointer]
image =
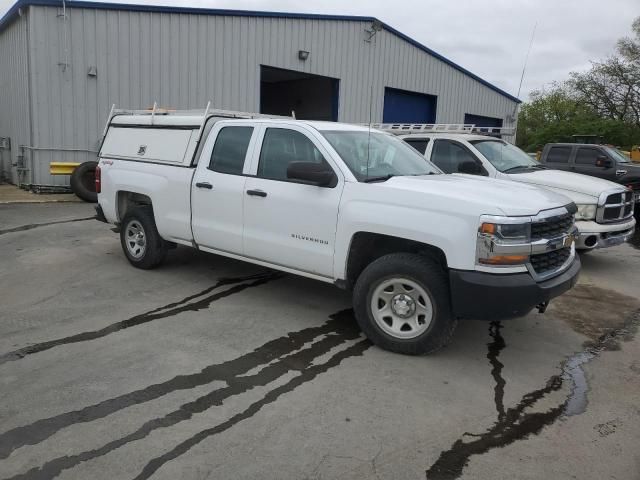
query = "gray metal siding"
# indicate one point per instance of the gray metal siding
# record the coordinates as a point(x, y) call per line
point(14, 93)
point(184, 60)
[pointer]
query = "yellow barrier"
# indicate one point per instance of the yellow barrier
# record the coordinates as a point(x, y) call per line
point(62, 168)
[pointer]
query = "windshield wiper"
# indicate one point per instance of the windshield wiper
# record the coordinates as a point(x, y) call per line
point(519, 167)
point(541, 167)
point(381, 178)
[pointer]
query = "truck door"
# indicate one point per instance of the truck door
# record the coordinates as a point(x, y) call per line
point(217, 190)
point(288, 222)
point(558, 158)
point(592, 161)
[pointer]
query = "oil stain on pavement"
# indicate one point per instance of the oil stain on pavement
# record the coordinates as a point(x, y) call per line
point(208, 296)
point(31, 226)
point(294, 352)
point(605, 317)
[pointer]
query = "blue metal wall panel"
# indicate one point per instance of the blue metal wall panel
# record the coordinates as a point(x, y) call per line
point(401, 106)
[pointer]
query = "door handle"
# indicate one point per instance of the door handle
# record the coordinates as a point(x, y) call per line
point(206, 185)
point(256, 193)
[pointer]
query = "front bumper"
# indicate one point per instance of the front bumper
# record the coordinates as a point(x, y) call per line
point(490, 296)
point(600, 235)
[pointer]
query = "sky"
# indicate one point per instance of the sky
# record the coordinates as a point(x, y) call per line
point(488, 37)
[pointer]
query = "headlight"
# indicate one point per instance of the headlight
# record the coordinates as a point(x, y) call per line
point(586, 212)
point(503, 242)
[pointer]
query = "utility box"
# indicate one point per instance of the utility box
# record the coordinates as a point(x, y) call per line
point(5, 143)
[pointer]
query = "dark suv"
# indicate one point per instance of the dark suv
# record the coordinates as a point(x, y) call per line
point(595, 160)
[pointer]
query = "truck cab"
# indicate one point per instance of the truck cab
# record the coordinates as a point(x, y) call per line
point(605, 209)
point(341, 204)
point(601, 161)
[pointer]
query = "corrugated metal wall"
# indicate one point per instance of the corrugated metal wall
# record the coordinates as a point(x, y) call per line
point(184, 60)
point(14, 93)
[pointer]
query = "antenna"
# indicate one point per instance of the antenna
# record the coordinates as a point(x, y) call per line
point(526, 58)
point(369, 133)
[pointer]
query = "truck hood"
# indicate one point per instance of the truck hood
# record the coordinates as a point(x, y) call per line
point(491, 196)
point(567, 182)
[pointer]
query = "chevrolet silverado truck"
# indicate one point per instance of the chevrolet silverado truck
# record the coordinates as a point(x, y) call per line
point(605, 209)
point(340, 204)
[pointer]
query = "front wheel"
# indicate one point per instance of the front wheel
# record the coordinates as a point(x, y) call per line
point(401, 302)
point(141, 242)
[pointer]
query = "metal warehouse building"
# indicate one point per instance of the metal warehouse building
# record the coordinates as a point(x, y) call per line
point(63, 65)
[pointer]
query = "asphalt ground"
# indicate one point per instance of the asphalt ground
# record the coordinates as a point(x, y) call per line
point(210, 368)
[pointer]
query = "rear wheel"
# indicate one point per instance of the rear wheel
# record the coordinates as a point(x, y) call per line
point(402, 304)
point(141, 242)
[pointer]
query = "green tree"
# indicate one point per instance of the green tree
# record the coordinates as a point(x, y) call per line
point(604, 100)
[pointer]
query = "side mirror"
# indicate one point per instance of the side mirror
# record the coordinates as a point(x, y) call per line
point(604, 162)
point(311, 172)
point(470, 167)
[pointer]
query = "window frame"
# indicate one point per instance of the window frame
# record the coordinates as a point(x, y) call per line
point(484, 173)
point(246, 155)
point(427, 141)
point(569, 156)
point(314, 141)
point(594, 149)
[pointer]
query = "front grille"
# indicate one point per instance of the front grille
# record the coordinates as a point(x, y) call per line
point(618, 206)
point(552, 227)
point(546, 262)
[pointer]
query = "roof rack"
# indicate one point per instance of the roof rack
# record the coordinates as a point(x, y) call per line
point(205, 114)
point(415, 128)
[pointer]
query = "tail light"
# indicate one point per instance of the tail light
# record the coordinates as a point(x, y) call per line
point(98, 176)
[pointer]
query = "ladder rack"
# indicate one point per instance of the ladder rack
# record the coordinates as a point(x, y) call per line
point(205, 114)
point(416, 128)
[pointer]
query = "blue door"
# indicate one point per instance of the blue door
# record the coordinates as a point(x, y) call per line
point(482, 121)
point(401, 106)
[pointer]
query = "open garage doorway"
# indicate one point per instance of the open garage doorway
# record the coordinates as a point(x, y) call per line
point(311, 97)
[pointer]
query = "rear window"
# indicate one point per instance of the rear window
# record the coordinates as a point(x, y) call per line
point(230, 150)
point(559, 154)
point(418, 144)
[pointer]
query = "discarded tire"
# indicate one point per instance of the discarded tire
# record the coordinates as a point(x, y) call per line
point(83, 182)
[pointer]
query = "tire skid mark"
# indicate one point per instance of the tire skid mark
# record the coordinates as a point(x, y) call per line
point(40, 430)
point(156, 314)
point(495, 347)
point(305, 376)
point(236, 385)
point(515, 424)
point(31, 226)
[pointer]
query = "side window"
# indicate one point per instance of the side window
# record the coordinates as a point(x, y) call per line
point(230, 150)
point(282, 146)
point(559, 154)
point(587, 156)
point(452, 157)
point(419, 144)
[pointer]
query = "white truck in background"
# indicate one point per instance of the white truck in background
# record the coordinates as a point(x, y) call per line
point(341, 204)
point(605, 209)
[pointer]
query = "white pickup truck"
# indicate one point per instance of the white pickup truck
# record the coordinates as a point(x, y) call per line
point(341, 204)
point(605, 209)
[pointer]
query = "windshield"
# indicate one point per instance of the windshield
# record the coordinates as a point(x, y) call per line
point(617, 154)
point(504, 156)
point(376, 154)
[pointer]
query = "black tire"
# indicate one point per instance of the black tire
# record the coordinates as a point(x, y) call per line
point(423, 271)
point(155, 248)
point(83, 182)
